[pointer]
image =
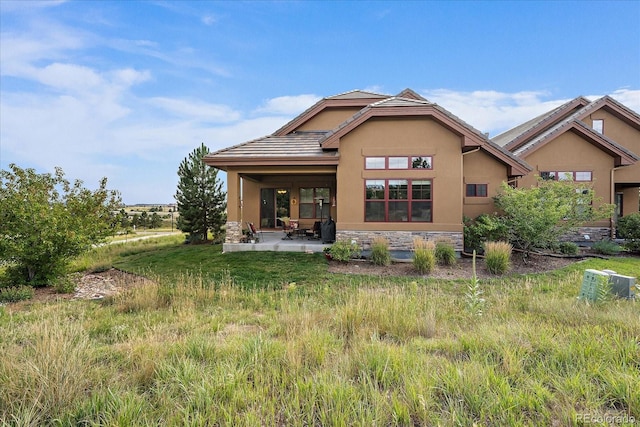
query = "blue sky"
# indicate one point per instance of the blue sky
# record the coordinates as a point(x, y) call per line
point(127, 89)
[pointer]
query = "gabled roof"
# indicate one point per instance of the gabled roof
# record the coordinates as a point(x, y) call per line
point(408, 93)
point(297, 148)
point(614, 107)
point(354, 98)
point(622, 156)
point(514, 138)
point(396, 106)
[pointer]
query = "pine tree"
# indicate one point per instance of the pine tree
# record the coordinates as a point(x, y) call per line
point(201, 201)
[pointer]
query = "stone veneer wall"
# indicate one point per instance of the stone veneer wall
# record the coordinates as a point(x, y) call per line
point(399, 240)
point(233, 232)
point(595, 234)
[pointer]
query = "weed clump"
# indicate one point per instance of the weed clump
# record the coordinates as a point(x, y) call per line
point(445, 253)
point(380, 254)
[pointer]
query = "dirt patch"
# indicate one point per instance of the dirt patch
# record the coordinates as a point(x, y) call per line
point(91, 286)
point(462, 270)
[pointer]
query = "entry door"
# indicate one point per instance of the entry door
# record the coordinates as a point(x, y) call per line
point(274, 205)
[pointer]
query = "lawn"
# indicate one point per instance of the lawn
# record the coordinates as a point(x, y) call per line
point(274, 339)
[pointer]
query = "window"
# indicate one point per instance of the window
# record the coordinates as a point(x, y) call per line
point(310, 202)
point(399, 162)
point(598, 125)
point(476, 190)
point(398, 200)
point(566, 176)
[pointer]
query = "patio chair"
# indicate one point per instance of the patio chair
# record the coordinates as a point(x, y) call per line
point(253, 232)
point(290, 228)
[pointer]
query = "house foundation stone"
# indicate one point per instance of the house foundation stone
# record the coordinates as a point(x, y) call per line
point(399, 240)
point(233, 232)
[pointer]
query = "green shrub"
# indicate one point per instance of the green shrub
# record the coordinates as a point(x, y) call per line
point(606, 247)
point(64, 284)
point(484, 228)
point(380, 254)
point(343, 250)
point(424, 255)
point(445, 252)
point(568, 248)
point(16, 293)
point(497, 257)
point(629, 229)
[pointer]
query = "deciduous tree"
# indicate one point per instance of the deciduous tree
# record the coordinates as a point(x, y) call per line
point(45, 221)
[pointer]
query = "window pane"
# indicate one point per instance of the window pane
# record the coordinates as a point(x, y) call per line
point(306, 210)
point(306, 195)
point(398, 189)
point(421, 190)
point(548, 176)
point(471, 190)
point(398, 211)
point(583, 176)
point(481, 190)
point(326, 210)
point(375, 189)
point(398, 162)
point(421, 211)
point(565, 176)
point(374, 211)
point(323, 192)
point(421, 162)
point(374, 163)
point(598, 125)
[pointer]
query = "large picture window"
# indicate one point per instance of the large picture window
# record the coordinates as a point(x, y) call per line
point(310, 202)
point(398, 200)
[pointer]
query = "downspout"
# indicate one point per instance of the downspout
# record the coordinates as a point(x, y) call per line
point(612, 200)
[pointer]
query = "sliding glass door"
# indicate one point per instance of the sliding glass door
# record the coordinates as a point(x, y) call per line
point(274, 205)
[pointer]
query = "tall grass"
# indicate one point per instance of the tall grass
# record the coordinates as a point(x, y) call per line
point(201, 349)
point(497, 257)
point(380, 254)
point(424, 255)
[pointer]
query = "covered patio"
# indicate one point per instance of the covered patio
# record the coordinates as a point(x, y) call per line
point(272, 240)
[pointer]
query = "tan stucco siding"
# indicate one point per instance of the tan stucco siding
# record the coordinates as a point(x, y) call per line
point(570, 152)
point(481, 168)
point(328, 119)
point(400, 137)
point(626, 136)
point(631, 199)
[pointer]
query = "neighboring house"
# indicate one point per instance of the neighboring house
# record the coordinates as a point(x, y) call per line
point(393, 166)
point(592, 142)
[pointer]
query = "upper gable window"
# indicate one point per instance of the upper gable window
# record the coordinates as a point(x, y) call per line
point(598, 125)
point(567, 176)
point(399, 162)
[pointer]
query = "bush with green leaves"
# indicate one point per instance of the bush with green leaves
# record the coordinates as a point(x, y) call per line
point(484, 228)
point(606, 247)
point(344, 250)
point(497, 257)
point(46, 221)
point(536, 217)
point(445, 252)
point(629, 229)
point(424, 255)
point(380, 254)
point(568, 248)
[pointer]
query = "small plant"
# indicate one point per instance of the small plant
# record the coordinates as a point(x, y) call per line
point(568, 248)
point(473, 297)
point(497, 257)
point(445, 252)
point(380, 254)
point(606, 247)
point(604, 292)
point(16, 293)
point(64, 284)
point(424, 255)
point(343, 250)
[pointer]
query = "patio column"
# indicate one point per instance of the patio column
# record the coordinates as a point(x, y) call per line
point(234, 208)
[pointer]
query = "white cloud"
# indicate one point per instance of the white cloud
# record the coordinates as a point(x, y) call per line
point(288, 104)
point(209, 19)
point(196, 110)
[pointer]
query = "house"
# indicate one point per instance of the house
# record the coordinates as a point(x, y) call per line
point(379, 165)
point(592, 142)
